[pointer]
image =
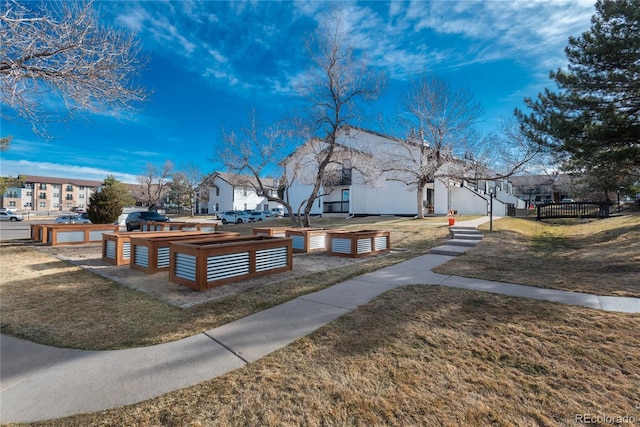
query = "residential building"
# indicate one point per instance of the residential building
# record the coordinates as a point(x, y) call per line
point(229, 191)
point(534, 189)
point(41, 193)
point(366, 177)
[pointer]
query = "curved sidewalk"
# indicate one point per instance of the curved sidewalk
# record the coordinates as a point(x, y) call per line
point(40, 382)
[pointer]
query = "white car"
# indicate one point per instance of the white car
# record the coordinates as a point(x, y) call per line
point(10, 216)
point(260, 215)
point(71, 219)
point(235, 217)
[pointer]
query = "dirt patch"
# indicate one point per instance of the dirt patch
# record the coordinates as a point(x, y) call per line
point(158, 285)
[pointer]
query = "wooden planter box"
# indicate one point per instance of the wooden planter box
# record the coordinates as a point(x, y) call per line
point(70, 234)
point(355, 244)
point(116, 247)
point(202, 265)
point(39, 232)
point(307, 240)
point(177, 226)
point(151, 254)
point(200, 226)
point(271, 231)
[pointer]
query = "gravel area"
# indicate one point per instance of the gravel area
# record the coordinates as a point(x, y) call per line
point(89, 257)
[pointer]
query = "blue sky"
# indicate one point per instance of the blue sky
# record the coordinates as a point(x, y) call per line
point(212, 61)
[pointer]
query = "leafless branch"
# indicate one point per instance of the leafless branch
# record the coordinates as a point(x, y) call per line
point(60, 54)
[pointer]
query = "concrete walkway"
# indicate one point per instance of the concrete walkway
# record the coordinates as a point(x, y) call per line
point(40, 382)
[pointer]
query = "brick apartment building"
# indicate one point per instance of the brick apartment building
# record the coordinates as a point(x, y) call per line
point(42, 193)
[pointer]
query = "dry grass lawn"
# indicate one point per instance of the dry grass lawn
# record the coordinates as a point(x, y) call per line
point(418, 355)
point(601, 257)
point(49, 301)
point(426, 356)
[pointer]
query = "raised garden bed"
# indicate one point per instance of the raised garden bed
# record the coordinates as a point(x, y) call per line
point(307, 240)
point(355, 244)
point(116, 247)
point(151, 254)
point(39, 232)
point(70, 234)
point(270, 231)
point(203, 264)
point(177, 226)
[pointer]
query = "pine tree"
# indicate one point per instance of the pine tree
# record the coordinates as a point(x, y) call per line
point(105, 205)
point(594, 118)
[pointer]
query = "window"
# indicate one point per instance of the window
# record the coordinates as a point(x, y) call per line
point(28, 205)
point(56, 186)
point(81, 196)
point(12, 204)
point(28, 185)
point(12, 194)
point(56, 194)
point(29, 193)
point(42, 196)
point(217, 191)
point(69, 197)
point(69, 187)
point(43, 186)
point(43, 204)
point(265, 207)
point(82, 188)
point(56, 205)
point(69, 206)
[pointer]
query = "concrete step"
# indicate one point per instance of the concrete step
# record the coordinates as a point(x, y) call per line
point(463, 242)
point(449, 250)
point(463, 228)
point(467, 236)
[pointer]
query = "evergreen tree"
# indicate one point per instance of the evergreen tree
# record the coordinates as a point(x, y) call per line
point(594, 118)
point(105, 205)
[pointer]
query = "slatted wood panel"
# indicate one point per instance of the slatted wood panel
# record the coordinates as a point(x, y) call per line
point(70, 234)
point(355, 244)
point(157, 256)
point(205, 264)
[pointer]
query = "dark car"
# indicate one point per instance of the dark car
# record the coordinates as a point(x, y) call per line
point(134, 219)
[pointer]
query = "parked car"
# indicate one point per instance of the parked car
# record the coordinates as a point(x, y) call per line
point(235, 217)
point(260, 215)
point(10, 210)
point(566, 200)
point(277, 212)
point(134, 219)
point(71, 219)
point(10, 216)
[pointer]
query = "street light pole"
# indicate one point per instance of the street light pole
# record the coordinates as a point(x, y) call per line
point(619, 199)
point(491, 210)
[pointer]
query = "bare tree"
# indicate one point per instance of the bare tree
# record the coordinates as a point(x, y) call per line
point(60, 52)
point(184, 186)
point(336, 82)
point(153, 184)
point(258, 150)
point(445, 117)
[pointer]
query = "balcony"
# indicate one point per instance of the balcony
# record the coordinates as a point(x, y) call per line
point(335, 207)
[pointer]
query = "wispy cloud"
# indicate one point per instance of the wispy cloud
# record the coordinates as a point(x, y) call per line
point(247, 46)
point(26, 167)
